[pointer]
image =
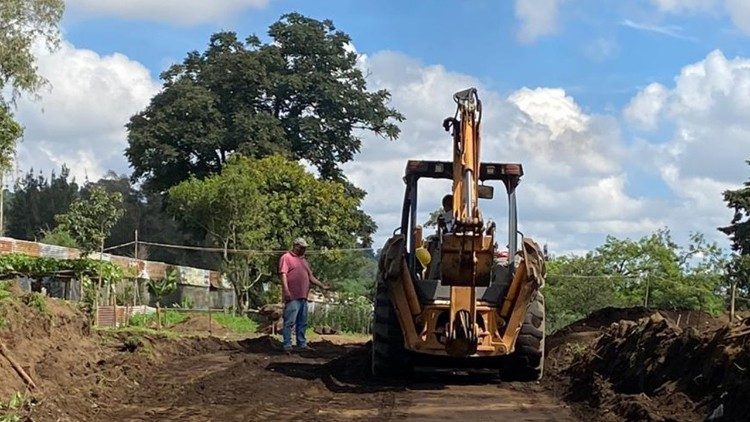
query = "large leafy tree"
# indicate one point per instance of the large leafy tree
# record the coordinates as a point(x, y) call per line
point(35, 202)
point(22, 22)
point(300, 95)
point(263, 204)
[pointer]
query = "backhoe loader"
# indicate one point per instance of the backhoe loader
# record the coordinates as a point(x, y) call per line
point(455, 299)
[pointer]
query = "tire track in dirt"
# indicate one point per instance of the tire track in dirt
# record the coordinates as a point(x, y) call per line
point(256, 383)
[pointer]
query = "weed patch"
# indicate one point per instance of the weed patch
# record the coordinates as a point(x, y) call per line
point(37, 301)
point(5, 292)
point(15, 408)
point(237, 324)
point(169, 318)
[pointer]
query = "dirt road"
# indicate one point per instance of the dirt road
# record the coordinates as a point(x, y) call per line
point(253, 381)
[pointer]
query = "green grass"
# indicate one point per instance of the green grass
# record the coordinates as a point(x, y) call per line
point(237, 324)
point(38, 301)
point(169, 319)
point(10, 410)
point(5, 290)
point(5, 293)
point(140, 331)
point(354, 318)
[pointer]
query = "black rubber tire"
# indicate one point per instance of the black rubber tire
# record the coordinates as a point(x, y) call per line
point(526, 363)
point(389, 358)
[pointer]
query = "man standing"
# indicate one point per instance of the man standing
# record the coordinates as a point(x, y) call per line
point(296, 277)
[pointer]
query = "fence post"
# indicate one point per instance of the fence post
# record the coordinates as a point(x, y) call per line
point(731, 302)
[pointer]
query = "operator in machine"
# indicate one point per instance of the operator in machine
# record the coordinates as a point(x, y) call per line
point(446, 217)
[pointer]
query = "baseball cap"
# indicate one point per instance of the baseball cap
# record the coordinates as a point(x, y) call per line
point(301, 242)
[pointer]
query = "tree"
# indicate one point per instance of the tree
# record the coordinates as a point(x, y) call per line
point(22, 22)
point(60, 237)
point(738, 230)
point(36, 201)
point(90, 220)
point(263, 204)
point(652, 271)
point(300, 95)
point(145, 212)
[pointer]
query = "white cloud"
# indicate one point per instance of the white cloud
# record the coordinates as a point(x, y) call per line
point(739, 11)
point(683, 5)
point(645, 108)
point(80, 118)
point(180, 12)
point(601, 49)
point(537, 18)
point(672, 31)
point(706, 152)
point(571, 159)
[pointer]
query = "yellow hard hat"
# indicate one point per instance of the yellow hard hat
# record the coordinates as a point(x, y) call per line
point(423, 256)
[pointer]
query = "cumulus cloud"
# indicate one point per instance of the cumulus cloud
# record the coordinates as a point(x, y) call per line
point(571, 159)
point(180, 12)
point(537, 18)
point(706, 152)
point(645, 108)
point(80, 118)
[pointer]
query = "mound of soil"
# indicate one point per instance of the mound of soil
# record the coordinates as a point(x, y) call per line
point(656, 371)
point(563, 346)
point(46, 342)
point(78, 373)
point(200, 324)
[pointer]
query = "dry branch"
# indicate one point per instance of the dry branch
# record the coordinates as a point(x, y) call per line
point(4, 351)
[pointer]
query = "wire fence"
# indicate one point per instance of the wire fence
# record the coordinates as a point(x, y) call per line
point(350, 317)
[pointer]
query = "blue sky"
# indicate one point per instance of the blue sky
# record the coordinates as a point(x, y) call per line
point(595, 54)
point(629, 116)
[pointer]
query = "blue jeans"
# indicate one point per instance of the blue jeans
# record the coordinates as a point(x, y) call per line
point(295, 313)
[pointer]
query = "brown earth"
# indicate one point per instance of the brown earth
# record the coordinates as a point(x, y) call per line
point(201, 324)
point(639, 365)
point(140, 375)
point(649, 370)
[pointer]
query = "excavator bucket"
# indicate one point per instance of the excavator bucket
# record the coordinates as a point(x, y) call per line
point(466, 260)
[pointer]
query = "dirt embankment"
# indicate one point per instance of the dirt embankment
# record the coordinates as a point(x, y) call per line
point(640, 365)
point(78, 373)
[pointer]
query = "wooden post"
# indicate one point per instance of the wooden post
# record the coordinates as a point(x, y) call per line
point(731, 302)
point(158, 314)
point(2, 203)
point(138, 271)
